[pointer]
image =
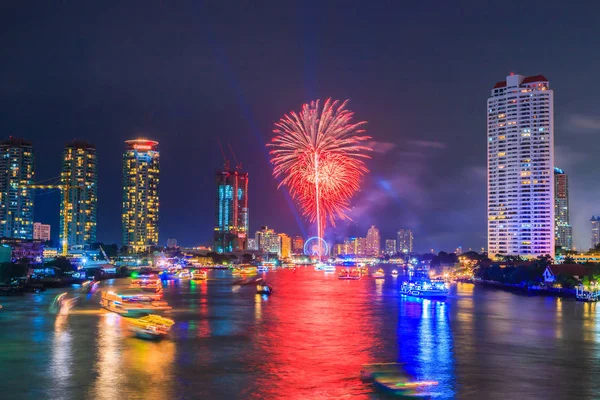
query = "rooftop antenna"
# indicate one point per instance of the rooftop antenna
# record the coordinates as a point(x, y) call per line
point(238, 165)
point(225, 160)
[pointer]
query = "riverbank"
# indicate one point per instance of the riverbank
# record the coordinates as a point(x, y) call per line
point(527, 289)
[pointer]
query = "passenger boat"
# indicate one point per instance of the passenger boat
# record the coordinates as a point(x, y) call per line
point(390, 378)
point(353, 274)
point(262, 268)
point(149, 282)
point(379, 274)
point(199, 275)
point(329, 268)
point(435, 289)
point(151, 327)
point(394, 272)
point(133, 303)
point(248, 270)
point(264, 288)
point(184, 275)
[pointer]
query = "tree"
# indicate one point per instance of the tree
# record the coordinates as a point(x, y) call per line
point(569, 260)
point(62, 263)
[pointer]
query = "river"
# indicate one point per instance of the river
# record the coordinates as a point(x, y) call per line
point(307, 341)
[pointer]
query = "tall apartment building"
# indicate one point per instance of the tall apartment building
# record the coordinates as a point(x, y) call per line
point(231, 214)
point(405, 241)
point(79, 175)
point(520, 153)
point(390, 247)
point(298, 245)
point(286, 245)
point(16, 199)
point(267, 241)
point(141, 166)
point(373, 242)
point(41, 231)
point(595, 223)
point(563, 232)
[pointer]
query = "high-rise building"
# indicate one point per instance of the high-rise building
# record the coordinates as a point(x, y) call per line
point(405, 241)
point(141, 166)
point(286, 245)
point(41, 231)
point(252, 244)
point(231, 226)
point(79, 176)
point(520, 148)
point(16, 199)
point(356, 246)
point(298, 245)
point(562, 227)
point(339, 249)
point(390, 247)
point(373, 242)
point(171, 243)
point(595, 221)
point(267, 241)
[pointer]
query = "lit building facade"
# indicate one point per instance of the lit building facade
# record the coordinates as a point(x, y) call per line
point(405, 241)
point(267, 241)
point(79, 174)
point(373, 242)
point(16, 200)
point(252, 244)
point(297, 245)
point(286, 245)
point(563, 232)
point(356, 246)
point(595, 223)
point(41, 231)
point(390, 247)
point(520, 153)
point(141, 166)
point(231, 226)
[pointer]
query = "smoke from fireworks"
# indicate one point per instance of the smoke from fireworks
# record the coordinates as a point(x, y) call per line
point(320, 155)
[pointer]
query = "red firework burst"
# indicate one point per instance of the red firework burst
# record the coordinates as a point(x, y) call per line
point(320, 155)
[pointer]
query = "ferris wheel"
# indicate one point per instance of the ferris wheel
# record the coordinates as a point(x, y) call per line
point(316, 246)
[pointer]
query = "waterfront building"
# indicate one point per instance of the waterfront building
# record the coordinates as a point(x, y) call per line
point(141, 166)
point(595, 222)
point(231, 214)
point(563, 232)
point(286, 245)
point(171, 243)
point(28, 250)
point(268, 241)
point(373, 243)
point(390, 247)
point(41, 231)
point(520, 154)
point(252, 244)
point(298, 245)
point(582, 258)
point(78, 205)
point(16, 199)
point(339, 249)
point(356, 246)
point(405, 241)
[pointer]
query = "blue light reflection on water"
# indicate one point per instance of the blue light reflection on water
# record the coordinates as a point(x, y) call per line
point(425, 343)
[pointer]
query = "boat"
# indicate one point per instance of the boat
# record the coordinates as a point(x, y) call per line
point(183, 275)
point(199, 275)
point(247, 281)
point(151, 327)
point(581, 294)
point(262, 268)
point(394, 272)
point(353, 274)
point(133, 302)
point(390, 378)
point(149, 282)
point(319, 267)
point(378, 274)
point(264, 288)
point(436, 289)
point(329, 268)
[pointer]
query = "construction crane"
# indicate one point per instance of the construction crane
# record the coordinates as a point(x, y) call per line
point(64, 189)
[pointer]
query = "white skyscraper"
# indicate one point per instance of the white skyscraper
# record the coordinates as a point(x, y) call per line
point(520, 137)
point(373, 241)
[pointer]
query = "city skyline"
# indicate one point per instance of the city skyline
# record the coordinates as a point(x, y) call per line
point(187, 102)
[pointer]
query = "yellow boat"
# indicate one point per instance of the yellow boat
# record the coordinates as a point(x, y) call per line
point(151, 327)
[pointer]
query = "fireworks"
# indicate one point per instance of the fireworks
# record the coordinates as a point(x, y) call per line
point(320, 155)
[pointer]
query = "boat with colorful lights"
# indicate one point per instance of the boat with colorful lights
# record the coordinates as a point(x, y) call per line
point(151, 327)
point(262, 268)
point(435, 289)
point(378, 274)
point(353, 274)
point(133, 302)
point(149, 282)
point(183, 275)
point(264, 288)
point(390, 378)
point(199, 275)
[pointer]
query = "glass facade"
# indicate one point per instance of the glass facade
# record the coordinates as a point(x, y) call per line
point(231, 226)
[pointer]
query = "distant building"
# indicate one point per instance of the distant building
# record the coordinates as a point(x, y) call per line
point(595, 221)
point(231, 214)
point(286, 245)
point(355, 246)
point(339, 249)
point(25, 249)
point(458, 251)
point(268, 241)
point(405, 241)
point(298, 245)
point(41, 232)
point(141, 166)
point(520, 159)
point(562, 227)
point(390, 247)
point(252, 244)
point(373, 242)
point(16, 200)
point(79, 173)
point(171, 243)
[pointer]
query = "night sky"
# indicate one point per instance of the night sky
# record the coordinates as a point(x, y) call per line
point(192, 73)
